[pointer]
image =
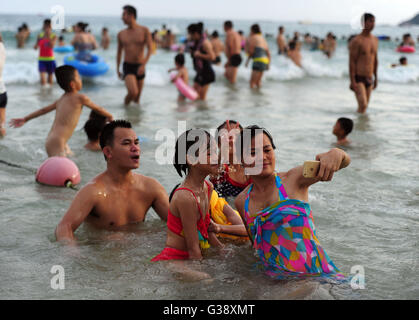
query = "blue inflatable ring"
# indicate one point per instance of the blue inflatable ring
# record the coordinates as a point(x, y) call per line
point(64, 49)
point(96, 67)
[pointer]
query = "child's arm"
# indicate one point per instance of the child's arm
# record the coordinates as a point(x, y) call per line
point(18, 122)
point(98, 109)
point(188, 216)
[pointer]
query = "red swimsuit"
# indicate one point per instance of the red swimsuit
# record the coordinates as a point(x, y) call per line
point(174, 224)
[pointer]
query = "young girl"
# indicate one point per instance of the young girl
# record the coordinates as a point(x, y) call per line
point(182, 73)
point(188, 218)
point(231, 180)
point(277, 214)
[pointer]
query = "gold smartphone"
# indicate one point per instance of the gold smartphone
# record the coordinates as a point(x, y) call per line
point(311, 168)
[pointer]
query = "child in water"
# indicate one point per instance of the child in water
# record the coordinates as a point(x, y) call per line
point(188, 219)
point(93, 127)
point(61, 42)
point(68, 109)
point(182, 73)
point(342, 128)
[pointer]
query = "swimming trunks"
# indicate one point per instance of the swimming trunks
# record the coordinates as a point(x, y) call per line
point(367, 81)
point(3, 100)
point(132, 68)
point(46, 66)
point(260, 59)
point(235, 60)
point(227, 187)
point(285, 240)
point(217, 60)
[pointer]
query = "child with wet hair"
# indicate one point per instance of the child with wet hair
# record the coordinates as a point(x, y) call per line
point(93, 127)
point(342, 128)
point(188, 218)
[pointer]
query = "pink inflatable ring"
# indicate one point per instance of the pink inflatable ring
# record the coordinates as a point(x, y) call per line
point(58, 171)
point(406, 49)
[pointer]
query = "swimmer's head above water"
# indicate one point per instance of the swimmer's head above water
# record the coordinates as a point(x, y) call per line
point(68, 78)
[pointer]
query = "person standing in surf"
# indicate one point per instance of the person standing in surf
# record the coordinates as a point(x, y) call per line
point(132, 42)
point(363, 63)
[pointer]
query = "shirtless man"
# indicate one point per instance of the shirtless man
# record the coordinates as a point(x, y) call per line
point(118, 196)
point(281, 42)
point(232, 51)
point(106, 39)
point(363, 63)
point(20, 38)
point(218, 47)
point(68, 109)
point(132, 41)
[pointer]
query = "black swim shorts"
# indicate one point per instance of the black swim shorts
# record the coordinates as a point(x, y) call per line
point(205, 77)
point(235, 60)
point(367, 81)
point(3, 100)
point(217, 60)
point(132, 68)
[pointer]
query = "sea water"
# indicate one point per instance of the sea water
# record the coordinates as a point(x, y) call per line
point(366, 218)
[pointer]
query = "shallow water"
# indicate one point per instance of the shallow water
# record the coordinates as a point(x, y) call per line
point(367, 216)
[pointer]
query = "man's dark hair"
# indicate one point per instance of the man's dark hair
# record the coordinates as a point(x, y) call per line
point(47, 23)
point(107, 134)
point(65, 74)
point(131, 10)
point(366, 17)
point(255, 28)
point(281, 28)
point(180, 59)
point(346, 124)
point(402, 59)
point(228, 24)
point(215, 34)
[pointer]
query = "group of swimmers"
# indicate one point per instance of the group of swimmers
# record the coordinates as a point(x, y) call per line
point(197, 213)
point(270, 210)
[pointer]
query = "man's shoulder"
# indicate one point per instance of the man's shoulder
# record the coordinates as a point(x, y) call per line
point(149, 183)
point(94, 186)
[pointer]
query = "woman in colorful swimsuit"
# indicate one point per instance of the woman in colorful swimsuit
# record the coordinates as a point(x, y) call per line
point(277, 214)
point(188, 218)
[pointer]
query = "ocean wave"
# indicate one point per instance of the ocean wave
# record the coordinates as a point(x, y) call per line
point(19, 71)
